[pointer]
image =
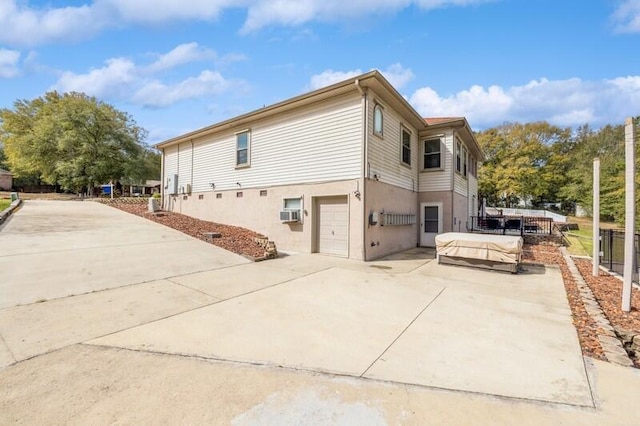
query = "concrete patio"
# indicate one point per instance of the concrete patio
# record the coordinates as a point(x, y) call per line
point(398, 322)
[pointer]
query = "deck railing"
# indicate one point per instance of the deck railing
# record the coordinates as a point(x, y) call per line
point(512, 225)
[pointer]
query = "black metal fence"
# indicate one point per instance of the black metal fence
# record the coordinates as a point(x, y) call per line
point(512, 225)
point(612, 249)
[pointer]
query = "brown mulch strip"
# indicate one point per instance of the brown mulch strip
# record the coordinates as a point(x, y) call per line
point(585, 326)
point(607, 290)
point(233, 238)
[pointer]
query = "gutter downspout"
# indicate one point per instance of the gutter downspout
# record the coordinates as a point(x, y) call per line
point(162, 182)
point(191, 180)
point(365, 158)
point(453, 178)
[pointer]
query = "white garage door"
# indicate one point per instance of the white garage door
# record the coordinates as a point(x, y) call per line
point(333, 226)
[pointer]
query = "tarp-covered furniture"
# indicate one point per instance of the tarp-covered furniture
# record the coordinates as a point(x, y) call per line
point(499, 252)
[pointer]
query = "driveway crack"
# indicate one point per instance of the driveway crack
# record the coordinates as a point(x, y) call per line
point(403, 331)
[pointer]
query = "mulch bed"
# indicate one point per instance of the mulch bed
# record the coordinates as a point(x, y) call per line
point(607, 290)
point(585, 326)
point(233, 238)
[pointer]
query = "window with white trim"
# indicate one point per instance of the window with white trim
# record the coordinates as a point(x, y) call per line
point(432, 154)
point(378, 120)
point(243, 148)
point(406, 146)
point(461, 158)
point(292, 203)
point(465, 156)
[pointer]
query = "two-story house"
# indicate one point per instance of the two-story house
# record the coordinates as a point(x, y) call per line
point(349, 170)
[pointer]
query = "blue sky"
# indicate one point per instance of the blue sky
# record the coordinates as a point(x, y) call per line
point(176, 66)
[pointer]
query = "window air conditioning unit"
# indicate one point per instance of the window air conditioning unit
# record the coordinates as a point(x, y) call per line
point(290, 216)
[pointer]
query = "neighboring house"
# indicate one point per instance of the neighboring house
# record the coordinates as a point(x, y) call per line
point(6, 180)
point(350, 170)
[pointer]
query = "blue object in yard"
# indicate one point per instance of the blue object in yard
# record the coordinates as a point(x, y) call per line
point(106, 189)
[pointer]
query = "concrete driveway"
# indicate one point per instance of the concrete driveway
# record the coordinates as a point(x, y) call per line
point(141, 291)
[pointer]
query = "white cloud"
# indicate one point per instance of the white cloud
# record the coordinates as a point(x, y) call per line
point(180, 55)
point(328, 77)
point(568, 102)
point(626, 17)
point(22, 25)
point(158, 94)
point(122, 79)
point(262, 13)
point(112, 80)
point(155, 11)
point(34, 25)
point(9, 63)
point(397, 75)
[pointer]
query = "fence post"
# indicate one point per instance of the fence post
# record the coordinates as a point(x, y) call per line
point(630, 212)
point(610, 249)
point(596, 217)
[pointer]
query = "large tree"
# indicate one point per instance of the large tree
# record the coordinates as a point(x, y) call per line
point(524, 162)
point(72, 140)
point(606, 143)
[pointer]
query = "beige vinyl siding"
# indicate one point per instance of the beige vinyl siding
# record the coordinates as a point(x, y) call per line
point(385, 152)
point(460, 181)
point(473, 190)
point(460, 184)
point(437, 180)
point(185, 161)
point(317, 143)
point(170, 162)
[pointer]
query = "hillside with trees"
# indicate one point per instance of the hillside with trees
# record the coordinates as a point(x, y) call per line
point(75, 142)
point(538, 163)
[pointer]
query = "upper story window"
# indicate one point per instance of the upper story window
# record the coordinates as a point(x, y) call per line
point(378, 120)
point(432, 154)
point(243, 148)
point(473, 166)
point(406, 146)
point(461, 158)
point(465, 157)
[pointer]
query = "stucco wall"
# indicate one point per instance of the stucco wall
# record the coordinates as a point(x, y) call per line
point(443, 197)
point(261, 213)
point(381, 240)
point(460, 213)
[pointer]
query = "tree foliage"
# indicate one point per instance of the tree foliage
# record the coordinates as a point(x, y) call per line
point(74, 141)
point(523, 162)
point(538, 162)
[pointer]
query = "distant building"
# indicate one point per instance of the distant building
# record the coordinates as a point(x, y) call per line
point(6, 180)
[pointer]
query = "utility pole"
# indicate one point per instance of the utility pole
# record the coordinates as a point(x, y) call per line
point(629, 213)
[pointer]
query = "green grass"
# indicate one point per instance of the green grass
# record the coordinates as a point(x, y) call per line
point(581, 241)
point(4, 204)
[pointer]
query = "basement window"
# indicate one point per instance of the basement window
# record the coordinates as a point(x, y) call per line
point(218, 195)
point(239, 194)
point(263, 192)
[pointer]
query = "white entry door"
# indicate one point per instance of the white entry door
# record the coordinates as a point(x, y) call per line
point(430, 223)
point(333, 226)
